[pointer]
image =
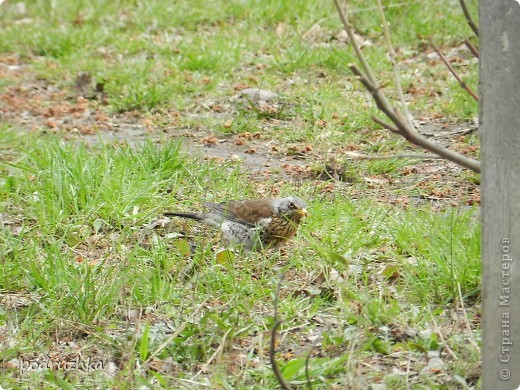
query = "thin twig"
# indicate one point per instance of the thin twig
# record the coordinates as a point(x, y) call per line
point(307, 375)
point(217, 352)
point(361, 156)
point(468, 17)
point(307, 361)
point(454, 73)
point(353, 42)
point(468, 326)
point(395, 67)
point(175, 334)
point(387, 6)
point(197, 385)
point(472, 48)
point(387, 126)
point(318, 23)
point(439, 332)
point(272, 352)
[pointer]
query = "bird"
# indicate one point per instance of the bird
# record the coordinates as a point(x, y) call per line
point(254, 224)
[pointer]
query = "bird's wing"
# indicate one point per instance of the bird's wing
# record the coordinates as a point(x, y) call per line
point(249, 212)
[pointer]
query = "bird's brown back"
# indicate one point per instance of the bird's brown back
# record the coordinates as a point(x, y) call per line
point(250, 211)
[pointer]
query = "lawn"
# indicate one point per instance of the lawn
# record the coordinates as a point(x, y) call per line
point(112, 112)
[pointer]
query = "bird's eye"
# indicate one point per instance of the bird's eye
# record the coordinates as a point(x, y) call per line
point(292, 205)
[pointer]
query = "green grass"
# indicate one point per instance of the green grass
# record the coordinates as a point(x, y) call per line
point(152, 45)
point(184, 58)
point(378, 274)
point(85, 252)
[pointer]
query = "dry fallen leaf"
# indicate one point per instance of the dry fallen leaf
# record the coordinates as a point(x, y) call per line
point(209, 140)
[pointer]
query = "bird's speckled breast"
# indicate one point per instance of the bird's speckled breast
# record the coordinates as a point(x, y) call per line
point(280, 229)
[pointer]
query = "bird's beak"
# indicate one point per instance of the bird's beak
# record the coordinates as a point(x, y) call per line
point(302, 212)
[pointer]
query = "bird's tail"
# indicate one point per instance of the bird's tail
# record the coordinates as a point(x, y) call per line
point(194, 216)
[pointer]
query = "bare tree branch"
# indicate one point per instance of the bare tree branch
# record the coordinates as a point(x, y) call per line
point(401, 126)
point(468, 17)
point(395, 68)
point(353, 42)
point(410, 133)
point(454, 73)
point(385, 125)
point(380, 99)
point(272, 351)
point(472, 48)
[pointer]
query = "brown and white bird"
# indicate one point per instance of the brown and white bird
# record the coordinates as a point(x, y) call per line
point(255, 224)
